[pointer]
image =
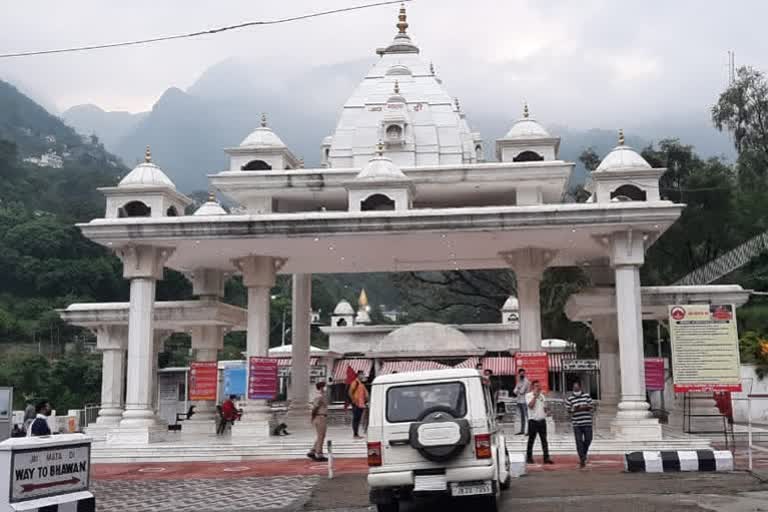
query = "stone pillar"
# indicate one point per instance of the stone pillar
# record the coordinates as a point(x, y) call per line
point(111, 341)
point(605, 330)
point(528, 265)
point(259, 277)
point(206, 342)
point(159, 346)
point(633, 420)
point(301, 313)
point(143, 265)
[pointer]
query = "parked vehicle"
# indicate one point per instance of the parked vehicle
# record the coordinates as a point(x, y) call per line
point(434, 432)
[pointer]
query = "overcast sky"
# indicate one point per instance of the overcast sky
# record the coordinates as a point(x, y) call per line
point(583, 63)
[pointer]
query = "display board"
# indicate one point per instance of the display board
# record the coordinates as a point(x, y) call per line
point(50, 471)
point(705, 348)
point(536, 366)
point(654, 373)
point(203, 380)
point(262, 378)
point(235, 378)
point(580, 365)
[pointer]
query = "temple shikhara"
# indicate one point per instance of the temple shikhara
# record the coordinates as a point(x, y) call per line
point(403, 185)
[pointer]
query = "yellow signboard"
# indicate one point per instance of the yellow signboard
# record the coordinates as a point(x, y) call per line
point(705, 348)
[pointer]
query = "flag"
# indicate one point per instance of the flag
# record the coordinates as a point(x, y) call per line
point(351, 375)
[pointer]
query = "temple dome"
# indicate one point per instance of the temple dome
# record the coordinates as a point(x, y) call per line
point(343, 308)
point(381, 168)
point(623, 157)
point(262, 137)
point(146, 174)
point(526, 129)
point(414, 338)
point(210, 207)
point(511, 304)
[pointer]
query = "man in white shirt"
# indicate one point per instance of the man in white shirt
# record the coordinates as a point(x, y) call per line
point(522, 388)
point(537, 422)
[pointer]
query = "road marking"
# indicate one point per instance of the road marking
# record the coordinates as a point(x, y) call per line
point(151, 470)
point(237, 469)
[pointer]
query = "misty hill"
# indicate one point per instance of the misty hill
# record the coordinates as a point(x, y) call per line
point(188, 129)
point(110, 126)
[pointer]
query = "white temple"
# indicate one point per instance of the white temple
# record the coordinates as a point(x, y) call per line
point(403, 186)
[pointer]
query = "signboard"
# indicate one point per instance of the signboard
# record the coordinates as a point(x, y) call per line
point(317, 373)
point(654, 374)
point(705, 348)
point(203, 380)
point(580, 365)
point(42, 472)
point(234, 380)
point(262, 378)
point(536, 366)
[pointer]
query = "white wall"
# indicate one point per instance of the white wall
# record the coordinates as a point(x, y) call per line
point(751, 384)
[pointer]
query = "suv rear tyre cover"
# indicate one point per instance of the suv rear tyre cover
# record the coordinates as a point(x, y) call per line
point(439, 414)
point(389, 507)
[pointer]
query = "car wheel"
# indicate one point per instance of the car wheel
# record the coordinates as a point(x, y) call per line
point(389, 507)
point(491, 504)
point(508, 466)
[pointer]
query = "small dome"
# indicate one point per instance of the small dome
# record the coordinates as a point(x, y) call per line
point(210, 207)
point(527, 129)
point(343, 308)
point(411, 338)
point(381, 168)
point(623, 157)
point(263, 136)
point(512, 304)
point(396, 97)
point(147, 174)
point(399, 69)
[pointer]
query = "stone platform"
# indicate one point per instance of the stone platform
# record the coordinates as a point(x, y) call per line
point(191, 448)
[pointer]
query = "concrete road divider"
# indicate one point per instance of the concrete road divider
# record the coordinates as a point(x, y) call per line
point(678, 460)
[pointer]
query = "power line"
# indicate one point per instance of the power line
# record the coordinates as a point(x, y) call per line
point(200, 33)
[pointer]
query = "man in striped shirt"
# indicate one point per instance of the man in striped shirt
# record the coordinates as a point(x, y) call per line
point(579, 405)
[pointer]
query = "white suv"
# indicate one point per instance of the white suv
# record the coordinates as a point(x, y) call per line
point(434, 432)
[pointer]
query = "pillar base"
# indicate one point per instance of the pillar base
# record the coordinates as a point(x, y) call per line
point(299, 418)
point(146, 434)
point(198, 427)
point(255, 421)
point(99, 432)
point(606, 413)
point(634, 422)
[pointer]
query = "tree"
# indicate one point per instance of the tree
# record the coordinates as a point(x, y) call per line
point(590, 159)
point(742, 109)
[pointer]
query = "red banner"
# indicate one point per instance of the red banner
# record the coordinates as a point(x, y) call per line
point(262, 378)
point(536, 366)
point(654, 374)
point(707, 388)
point(203, 380)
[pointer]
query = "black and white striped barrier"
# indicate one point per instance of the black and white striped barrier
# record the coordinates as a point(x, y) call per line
point(678, 460)
point(84, 505)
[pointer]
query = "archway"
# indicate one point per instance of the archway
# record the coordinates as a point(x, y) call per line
point(629, 193)
point(377, 202)
point(257, 165)
point(135, 209)
point(341, 322)
point(172, 212)
point(528, 156)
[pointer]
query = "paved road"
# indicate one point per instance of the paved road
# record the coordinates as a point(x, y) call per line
point(585, 491)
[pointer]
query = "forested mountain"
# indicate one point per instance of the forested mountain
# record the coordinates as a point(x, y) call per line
point(110, 127)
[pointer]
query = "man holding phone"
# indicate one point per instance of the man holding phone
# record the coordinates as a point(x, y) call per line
point(579, 405)
point(537, 422)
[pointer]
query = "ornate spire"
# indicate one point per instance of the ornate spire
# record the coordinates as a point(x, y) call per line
point(212, 196)
point(380, 148)
point(363, 300)
point(397, 87)
point(301, 162)
point(148, 155)
point(458, 105)
point(402, 24)
point(263, 119)
point(432, 68)
point(525, 111)
point(621, 136)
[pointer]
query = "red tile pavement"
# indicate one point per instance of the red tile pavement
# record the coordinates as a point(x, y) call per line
point(261, 468)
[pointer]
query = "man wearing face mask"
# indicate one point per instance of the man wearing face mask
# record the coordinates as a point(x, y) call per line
point(320, 422)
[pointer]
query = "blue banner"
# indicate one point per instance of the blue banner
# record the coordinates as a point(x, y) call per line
point(234, 381)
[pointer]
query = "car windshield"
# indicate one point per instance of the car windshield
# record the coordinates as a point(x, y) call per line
point(408, 403)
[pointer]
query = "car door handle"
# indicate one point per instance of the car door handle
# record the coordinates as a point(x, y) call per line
point(398, 442)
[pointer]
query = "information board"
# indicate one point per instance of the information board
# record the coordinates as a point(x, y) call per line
point(42, 472)
point(580, 365)
point(705, 348)
point(654, 374)
point(235, 380)
point(262, 378)
point(536, 366)
point(203, 380)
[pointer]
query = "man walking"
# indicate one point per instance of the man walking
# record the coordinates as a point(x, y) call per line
point(537, 422)
point(358, 397)
point(319, 421)
point(521, 389)
point(579, 405)
point(39, 426)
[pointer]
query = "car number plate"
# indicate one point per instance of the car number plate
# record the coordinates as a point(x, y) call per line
point(430, 483)
point(471, 489)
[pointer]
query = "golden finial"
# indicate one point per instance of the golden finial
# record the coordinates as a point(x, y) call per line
point(402, 25)
point(148, 155)
point(397, 87)
point(211, 196)
point(432, 68)
point(363, 300)
point(458, 105)
point(263, 119)
point(301, 162)
point(621, 136)
point(380, 148)
point(525, 110)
